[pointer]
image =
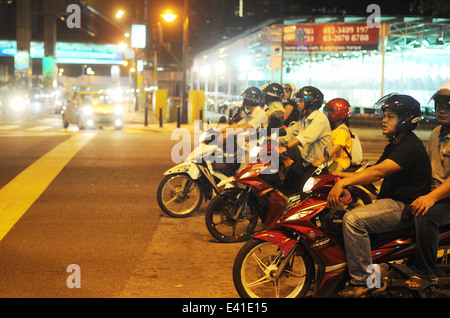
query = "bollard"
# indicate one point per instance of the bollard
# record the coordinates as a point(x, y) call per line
point(178, 116)
point(160, 117)
point(146, 116)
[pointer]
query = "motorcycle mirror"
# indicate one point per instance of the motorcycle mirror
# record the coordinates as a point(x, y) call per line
point(326, 156)
point(222, 120)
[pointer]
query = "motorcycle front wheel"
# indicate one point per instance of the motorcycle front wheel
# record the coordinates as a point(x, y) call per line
point(254, 272)
point(177, 201)
point(222, 221)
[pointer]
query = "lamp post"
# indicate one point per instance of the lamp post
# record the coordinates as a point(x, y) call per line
point(184, 62)
point(169, 16)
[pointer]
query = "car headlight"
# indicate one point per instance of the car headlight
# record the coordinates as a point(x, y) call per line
point(309, 184)
point(18, 103)
point(87, 110)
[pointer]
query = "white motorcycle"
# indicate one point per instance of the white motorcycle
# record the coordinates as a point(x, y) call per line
point(181, 192)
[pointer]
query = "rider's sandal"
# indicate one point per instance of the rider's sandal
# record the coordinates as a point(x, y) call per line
point(420, 281)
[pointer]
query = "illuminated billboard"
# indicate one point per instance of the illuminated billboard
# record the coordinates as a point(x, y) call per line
point(70, 53)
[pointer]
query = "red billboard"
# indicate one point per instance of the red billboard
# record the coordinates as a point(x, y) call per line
point(330, 37)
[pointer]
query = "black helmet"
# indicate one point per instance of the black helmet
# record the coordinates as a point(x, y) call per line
point(251, 96)
point(274, 90)
point(312, 97)
point(406, 107)
point(442, 96)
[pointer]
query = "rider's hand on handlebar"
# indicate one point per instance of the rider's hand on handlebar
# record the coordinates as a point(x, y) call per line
point(282, 150)
point(334, 195)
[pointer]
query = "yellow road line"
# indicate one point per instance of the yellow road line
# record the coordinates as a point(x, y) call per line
point(18, 195)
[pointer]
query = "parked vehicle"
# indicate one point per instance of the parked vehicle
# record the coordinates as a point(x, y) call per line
point(305, 245)
point(181, 192)
point(233, 215)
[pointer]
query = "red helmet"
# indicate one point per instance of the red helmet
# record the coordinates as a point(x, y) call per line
point(337, 108)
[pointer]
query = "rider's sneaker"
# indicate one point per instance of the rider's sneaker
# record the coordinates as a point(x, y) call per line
point(353, 291)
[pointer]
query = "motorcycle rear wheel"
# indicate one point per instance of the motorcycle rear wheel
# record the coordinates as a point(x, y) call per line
point(221, 222)
point(173, 201)
point(254, 268)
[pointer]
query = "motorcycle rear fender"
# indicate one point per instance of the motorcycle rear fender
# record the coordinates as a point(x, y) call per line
point(185, 167)
point(280, 239)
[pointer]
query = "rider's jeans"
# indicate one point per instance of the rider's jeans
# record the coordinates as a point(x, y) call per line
point(384, 215)
point(427, 234)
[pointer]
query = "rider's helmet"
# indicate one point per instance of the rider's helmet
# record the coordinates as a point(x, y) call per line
point(405, 106)
point(312, 97)
point(291, 88)
point(251, 96)
point(273, 91)
point(442, 96)
point(337, 108)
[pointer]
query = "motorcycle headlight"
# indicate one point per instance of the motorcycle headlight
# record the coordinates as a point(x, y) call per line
point(87, 110)
point(118, 111)
point(309, 184)
point(255, 150)
point(250, 173)
point(202, 136)
point(299, 215)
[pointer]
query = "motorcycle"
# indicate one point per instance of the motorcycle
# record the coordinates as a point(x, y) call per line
point(182, 190)
point(302, 255)
point(233, 215)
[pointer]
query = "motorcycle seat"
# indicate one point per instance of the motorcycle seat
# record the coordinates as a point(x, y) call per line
point(379, 239)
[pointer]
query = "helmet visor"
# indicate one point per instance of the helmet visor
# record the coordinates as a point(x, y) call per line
point(383, 104)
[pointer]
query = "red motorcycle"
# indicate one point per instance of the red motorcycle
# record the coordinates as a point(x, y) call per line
point(302, 254)
point(233, 214)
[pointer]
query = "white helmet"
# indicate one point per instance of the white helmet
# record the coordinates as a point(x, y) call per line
point(442, 95)
point(292, 88)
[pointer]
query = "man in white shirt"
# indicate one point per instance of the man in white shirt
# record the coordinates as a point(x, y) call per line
point(306, 140)
point(255, 118)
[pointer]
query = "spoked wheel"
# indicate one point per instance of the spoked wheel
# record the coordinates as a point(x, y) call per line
point(225, 223)
point(179, 196)
point(255, 267)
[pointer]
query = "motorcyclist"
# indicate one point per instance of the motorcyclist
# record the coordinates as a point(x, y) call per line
point(255, 117)
point(305, 141)
point(405, 169)
point(272, 97)
point(338, 111)
point(292, 113)
point(433, 209)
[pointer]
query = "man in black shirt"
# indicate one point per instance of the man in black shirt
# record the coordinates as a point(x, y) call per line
point(406, 170)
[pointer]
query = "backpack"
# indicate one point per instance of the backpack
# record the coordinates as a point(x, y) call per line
point(356, 153)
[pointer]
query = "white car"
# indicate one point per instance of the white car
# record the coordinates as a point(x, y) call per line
point(88, 109)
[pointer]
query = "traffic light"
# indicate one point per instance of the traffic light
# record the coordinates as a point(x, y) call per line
point(157, 36)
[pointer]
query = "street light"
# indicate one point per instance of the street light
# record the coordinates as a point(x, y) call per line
point(169, 16)
point(119, 14)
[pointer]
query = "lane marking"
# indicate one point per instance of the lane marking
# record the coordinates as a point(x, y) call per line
point(39, 128)
point(19, 194)
point(8, 127)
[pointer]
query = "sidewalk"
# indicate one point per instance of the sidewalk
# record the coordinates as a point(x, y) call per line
point(136, 120)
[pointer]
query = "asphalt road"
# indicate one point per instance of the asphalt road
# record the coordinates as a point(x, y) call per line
point(92, 212)
point(100, 213)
